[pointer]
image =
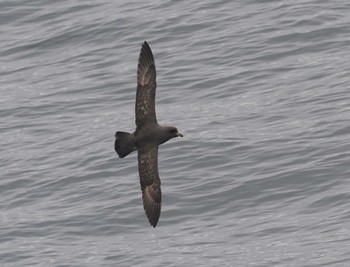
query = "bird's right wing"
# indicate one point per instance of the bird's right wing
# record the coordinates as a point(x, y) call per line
point(150, 182)
point(146, 88)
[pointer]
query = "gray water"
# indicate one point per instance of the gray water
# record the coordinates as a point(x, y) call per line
point(260, 90)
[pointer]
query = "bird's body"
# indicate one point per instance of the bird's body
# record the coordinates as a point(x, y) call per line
point(147, 136)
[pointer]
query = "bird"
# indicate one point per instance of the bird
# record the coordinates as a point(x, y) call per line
point(147, 136)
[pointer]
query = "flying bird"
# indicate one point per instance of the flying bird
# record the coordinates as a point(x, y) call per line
point(147, 136)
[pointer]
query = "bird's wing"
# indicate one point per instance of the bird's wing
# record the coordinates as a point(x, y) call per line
point(150, 182)
point(146, 88)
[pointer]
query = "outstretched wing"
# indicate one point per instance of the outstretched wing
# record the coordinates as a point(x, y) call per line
point(146, 88)
point(150, 182)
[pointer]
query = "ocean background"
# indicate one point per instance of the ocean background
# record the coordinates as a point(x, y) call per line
point(260, 91)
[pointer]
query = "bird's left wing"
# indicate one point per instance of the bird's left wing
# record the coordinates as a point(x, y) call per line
point(145, 112)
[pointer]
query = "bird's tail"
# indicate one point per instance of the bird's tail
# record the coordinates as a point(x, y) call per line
point(124, 144)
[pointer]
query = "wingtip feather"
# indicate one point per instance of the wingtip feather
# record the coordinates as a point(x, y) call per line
point(152, 207)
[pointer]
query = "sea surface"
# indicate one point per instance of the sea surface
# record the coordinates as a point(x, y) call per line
point(259, 89)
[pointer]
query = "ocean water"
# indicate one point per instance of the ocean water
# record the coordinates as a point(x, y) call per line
point(260, 90)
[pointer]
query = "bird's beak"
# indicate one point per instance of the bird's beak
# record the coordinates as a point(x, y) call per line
point(179, 135)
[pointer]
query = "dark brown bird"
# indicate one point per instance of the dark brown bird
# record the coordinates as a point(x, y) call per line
point(147, 136)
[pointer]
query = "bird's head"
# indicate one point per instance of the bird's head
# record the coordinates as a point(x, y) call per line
point(168, 132)
point(173, 132)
